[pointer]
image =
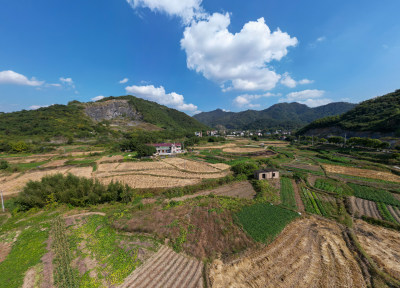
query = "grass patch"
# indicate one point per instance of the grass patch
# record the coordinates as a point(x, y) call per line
point(263, 222)
point(287, 193)
point(334, 186)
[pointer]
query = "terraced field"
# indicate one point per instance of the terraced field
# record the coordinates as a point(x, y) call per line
point(383, 245)
point(308, 253)
point(364, 207)
point(167, 269)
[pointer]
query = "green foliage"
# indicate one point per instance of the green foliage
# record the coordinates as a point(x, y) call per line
point(145, 150)
point(265, 192)
point(382, 223)
point(263, 222)
point(374, 194)
point(26, 253)
point(4, 165)
point(73, 190)
point(334, 186)
point(245, 168)
point(310, 202)
point(380, 114)
point(383, 210)
point(287, 193)
point(336, 140)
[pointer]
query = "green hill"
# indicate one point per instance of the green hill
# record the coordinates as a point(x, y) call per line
point(376, 117)
point(278, 116)
point(87, 120)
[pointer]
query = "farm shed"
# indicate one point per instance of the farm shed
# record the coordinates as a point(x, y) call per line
point(266, 174)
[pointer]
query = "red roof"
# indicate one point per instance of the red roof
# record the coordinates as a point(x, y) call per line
point(165, 144)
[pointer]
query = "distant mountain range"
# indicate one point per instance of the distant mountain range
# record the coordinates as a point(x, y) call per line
point(377, 117)
point(278, 116)
point(109, 116)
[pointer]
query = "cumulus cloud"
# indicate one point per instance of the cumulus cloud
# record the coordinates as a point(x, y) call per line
point(97, 98)
point(305, 81)
point(159, 95)
point(236, 61)
point(184, 9)
point(288, 81)
point(311, 98)
point(11, 77)
point(246, 100)
point(68, 82)
point(54, 85)
point(123, 81)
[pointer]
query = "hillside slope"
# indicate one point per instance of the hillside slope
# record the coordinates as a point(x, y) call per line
point(282, 115)
point(86, 120)
point(376, 117)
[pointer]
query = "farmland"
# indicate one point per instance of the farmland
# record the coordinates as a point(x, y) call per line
point(199, 220)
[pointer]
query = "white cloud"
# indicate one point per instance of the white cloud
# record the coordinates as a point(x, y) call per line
point(311, 98)
point(317, 41)
point(35, 107)
point(236, 61)
point(11, 77)
point(185, 9)
point(159, 95)
point(321, 39)
point(245, 101)
point(54, 85)
point(68, 82)
point(288, 81)
point(97, 98)
point(123, 81)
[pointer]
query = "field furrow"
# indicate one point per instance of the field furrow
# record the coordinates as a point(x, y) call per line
point(308, 253)
point(395, 214)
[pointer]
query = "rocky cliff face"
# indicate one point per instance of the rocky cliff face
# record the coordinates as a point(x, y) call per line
point(112, 110)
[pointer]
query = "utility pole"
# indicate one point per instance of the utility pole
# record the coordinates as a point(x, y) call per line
point(2, 201)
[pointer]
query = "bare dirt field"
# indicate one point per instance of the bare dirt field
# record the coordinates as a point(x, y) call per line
point(114, 158)
point(308, 253)
point(383, 245)
point(299, 202)
point(241, 190)
point(167, 269)
point(55, 163)
point(243, 150)
point(362, 173)
point(190, 165)
point(215, 146)
point(364, 207)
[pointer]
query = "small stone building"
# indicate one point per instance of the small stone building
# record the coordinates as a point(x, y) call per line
point(266, 174)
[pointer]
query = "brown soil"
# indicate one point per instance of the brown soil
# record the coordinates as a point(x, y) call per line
point(312, 179)
point(383, 245)
point(364, 207)
point(308, 253)
point(47, 260)
point(167, 269)
point(5, 249)
point(210, 229)
point(299, 202)
point(29, 280)
point(395, 212)
point(362, 173)
point(241, 190)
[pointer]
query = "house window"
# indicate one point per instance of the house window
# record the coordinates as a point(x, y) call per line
point(263, 175)
point(273, 174)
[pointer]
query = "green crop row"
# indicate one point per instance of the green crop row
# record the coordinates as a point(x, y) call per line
point(383, 210)
point(334, 186)
point(264, 221)
point(287, 193)
point(374, 194)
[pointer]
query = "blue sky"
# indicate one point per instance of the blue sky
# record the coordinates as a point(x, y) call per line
point(196, 55)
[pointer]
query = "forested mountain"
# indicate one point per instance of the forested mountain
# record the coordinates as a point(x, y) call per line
point(376, 117)
point(278, 116)
point(85, 120)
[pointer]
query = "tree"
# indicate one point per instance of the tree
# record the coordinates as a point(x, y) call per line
point(145, 150)
point(4, 165)
point(245, 168)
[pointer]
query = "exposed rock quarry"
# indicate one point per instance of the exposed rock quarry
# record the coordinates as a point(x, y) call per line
point(112, 110)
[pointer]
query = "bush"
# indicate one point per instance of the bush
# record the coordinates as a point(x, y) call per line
point(145, 150)
point(4, 165)
point(73, 190)
point(246, 168)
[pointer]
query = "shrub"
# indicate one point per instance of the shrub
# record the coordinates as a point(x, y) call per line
point(4, 165)
point(73, 190)
point(246, 168)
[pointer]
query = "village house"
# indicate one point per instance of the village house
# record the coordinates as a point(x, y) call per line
point(266, 174)
point(168, 148)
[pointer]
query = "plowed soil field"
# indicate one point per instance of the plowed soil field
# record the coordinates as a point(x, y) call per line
point(167, 269)
point(362, 173)
point(308, 253)
point(365, 207)
point(383, 245)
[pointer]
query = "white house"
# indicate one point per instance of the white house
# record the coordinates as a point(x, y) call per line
point(168, 148)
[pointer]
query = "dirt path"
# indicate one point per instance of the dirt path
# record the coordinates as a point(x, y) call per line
point(241, 190)
point(29, 280)
point(299, 202)
point(47, 260)
point(309, 253)
point(383, 245)
point(167, 269)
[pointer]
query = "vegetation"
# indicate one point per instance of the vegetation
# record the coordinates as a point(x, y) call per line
point(287, 193)
point(380, 114)
point(278, 116)
point(383, 210)
point(263, 221)
point(334, 186)
point(374, 194)
point(70, 189)
point(265, 191)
